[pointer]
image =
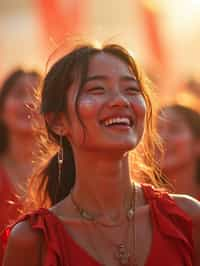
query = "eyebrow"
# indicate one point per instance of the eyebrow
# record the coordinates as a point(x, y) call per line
point(104, 77)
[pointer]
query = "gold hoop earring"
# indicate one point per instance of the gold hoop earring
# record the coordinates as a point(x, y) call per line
point(60, 158)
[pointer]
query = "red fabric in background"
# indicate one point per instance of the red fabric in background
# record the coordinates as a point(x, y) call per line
point(60, 19)
point(151, 29)
point(153, 35)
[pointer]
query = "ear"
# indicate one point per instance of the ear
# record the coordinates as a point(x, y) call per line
point(58, 123)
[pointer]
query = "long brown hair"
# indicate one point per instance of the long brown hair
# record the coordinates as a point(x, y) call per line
point(45, 188)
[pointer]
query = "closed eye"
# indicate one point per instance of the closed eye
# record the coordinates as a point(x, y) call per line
point(133, 90)
point(96, 90)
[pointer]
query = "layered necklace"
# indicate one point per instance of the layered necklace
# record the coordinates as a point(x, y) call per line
point(124, 251)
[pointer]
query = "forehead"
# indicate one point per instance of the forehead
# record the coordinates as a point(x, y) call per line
point(24, 82)
point(172, 117)
point(108, 65)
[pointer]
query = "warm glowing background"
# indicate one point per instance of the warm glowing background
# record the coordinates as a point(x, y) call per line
point(163, 35)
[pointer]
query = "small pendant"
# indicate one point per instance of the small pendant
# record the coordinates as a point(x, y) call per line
point(130, 214)
point(86, 216)
point(134, 262)
point(123, 256)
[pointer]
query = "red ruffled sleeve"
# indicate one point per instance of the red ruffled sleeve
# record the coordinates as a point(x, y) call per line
point(61, 248)
point(172, 230)
point(44, 221)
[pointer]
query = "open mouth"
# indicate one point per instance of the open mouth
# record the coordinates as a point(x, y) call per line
point(118, 121)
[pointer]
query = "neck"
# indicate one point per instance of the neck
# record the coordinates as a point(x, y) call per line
point(183, 179)
point(17, 160)
point(20, 148)
point(103, 187)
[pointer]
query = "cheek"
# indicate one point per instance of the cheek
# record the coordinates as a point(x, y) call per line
point(9, 114)
point(88, 107)
point(184, 148)
point(10, 108)
point(139, 107)
point(86, 112)
point(10, 103)
point(184, 142)
point(180, 144)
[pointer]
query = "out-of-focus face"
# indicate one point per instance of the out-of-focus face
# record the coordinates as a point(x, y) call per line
point(17, 112)
point(179, 142)
point(111, 107)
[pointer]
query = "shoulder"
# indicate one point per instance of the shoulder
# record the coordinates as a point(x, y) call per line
point(24, 244)
point(192, 207)
point(189, 205)
point(24, 234)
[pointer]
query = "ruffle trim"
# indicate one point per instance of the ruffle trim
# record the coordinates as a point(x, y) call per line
point(170, 220)
point(51, 230)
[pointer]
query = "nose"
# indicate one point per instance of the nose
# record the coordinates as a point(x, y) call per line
point(29, 102)
point(118, 99)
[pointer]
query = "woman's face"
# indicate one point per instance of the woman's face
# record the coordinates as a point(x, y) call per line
point(179, 142)
point(110, 105)
point(16, 114)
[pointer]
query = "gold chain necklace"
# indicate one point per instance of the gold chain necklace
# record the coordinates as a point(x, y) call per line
point(124, 252)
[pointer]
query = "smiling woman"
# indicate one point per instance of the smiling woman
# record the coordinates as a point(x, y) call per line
point(98, 109)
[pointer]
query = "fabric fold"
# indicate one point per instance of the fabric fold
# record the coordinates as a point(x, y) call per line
point(171, 221)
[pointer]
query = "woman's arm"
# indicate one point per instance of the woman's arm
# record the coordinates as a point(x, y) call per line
point(192, 207)
point(24, 246)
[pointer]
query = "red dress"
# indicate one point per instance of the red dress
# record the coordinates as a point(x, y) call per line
point(172, 235)
point(9, 203)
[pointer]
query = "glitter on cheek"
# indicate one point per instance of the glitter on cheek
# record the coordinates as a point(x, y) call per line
point(142, 102)
point(139, 104)
point(87, 106)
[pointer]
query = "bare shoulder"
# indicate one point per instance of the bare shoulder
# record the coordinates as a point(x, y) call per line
point(192, 207)
point(188, 204)
point(140, 200)
point(24, 233)
point(23, 247)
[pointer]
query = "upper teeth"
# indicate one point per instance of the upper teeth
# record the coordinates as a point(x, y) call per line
point(111, 121)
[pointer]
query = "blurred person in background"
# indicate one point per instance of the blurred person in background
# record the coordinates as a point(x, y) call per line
point(179, 128)
point(17, 140)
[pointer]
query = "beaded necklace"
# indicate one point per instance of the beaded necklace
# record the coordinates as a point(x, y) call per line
point(124, 251)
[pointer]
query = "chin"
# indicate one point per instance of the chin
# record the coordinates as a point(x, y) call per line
point(28, 130)
point(122, 147)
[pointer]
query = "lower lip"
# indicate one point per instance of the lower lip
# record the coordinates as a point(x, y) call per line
point(119, 127)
